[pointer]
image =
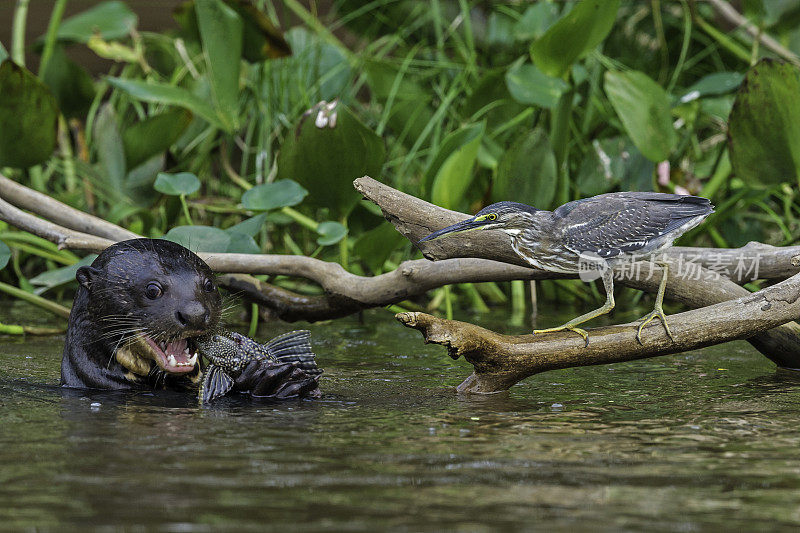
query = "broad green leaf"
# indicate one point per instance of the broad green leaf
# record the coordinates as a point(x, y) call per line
point(764, 126)
point(536, 20)
point(376, 245)
point(713, 85)
point(154, 135)
point(493, 100)
point(113, 50)
point(527, 171)
point(643, 107)
point(200, 238)
point(251, 226)
point(455, 175)
point(139, 183)
point(318, 63)
point(280, 193)
point(110, 152)
point(242, 244)
point(160, 93)
point(530, 86)
point(5, 254)
point(330, 233)
point(221, 35)
point(3, 53)
point(28, 115)
point(614, 162)
point(325, 160)
point(176, 184)
point(70, 84)
point(578, 32)
point(454, 141)
point(113, 20)
point(60, 276)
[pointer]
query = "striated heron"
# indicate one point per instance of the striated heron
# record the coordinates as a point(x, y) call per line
point(602, 231)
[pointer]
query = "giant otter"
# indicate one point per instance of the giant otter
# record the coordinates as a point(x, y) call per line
point(137, 309)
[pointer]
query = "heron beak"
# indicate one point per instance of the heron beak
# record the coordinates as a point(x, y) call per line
point(469, 224)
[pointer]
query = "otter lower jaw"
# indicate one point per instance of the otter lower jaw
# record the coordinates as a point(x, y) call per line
point(175, 357)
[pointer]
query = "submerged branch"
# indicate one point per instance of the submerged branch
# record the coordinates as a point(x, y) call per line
point(501, 360)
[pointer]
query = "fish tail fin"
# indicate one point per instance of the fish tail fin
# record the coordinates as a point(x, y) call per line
point(294, 347)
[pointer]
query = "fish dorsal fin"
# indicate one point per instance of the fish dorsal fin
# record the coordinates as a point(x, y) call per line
point(216, 383)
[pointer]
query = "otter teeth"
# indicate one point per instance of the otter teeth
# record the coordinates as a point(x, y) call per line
point(171, 360)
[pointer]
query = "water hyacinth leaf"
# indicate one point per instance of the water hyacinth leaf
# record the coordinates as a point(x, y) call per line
point(154, 135)
point(535, 21)
point(613, 162)
point(160, 93)
point(643, 107)
point(60, 276)
point(221, 36)
point(200, 238)
point(318, 63)
point(764, 127)
point(330, 233)
point(578, 32)
point(376, 245)
point(712, 85)
point(530, 86)
point(280, 193)
point(5, 254)
point(112, 20)
point(176, 184)
point(110, 151)
point(449, 144)
point(242, 244)
point(453, 177)
point(139, 182)
point(71, 85)
point(29, 118)
point(262, 39)
point(527, 171)
point(325, 160)
point(250, 226)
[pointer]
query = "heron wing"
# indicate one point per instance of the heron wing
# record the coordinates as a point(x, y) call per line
point(616, 223)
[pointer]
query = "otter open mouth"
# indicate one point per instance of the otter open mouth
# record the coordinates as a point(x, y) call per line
point(176, 357)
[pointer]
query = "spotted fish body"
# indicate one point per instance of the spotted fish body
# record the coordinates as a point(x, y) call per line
point(229, 352)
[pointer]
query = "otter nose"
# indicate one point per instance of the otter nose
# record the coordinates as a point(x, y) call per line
point(194, 316)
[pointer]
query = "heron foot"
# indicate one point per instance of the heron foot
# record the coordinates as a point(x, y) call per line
point(658, 312)
point(579, 331)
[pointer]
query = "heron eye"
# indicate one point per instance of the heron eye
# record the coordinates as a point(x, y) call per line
point(491, 216)
point(153, 290)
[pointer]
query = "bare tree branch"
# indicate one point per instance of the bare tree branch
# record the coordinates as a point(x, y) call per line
point(501, 360)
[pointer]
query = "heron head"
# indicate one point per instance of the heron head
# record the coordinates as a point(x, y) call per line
point(511, 217)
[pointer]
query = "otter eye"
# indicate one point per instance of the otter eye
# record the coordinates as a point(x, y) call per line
point(208, 286)
point(153, 290)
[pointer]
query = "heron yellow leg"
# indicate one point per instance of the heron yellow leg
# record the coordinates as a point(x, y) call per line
point(608, 284)
point(658, 310)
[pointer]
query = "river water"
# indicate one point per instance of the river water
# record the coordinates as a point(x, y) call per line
point(703, 440)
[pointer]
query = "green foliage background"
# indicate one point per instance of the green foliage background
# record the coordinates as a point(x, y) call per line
point(231, 135)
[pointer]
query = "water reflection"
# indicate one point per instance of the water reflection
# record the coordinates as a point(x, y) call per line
point(693, 441)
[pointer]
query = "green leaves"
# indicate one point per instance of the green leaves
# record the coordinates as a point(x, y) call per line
point(330, 233)
point(221, 35)
point(161, 93)
point(764, 128)
point(529, 85)
point(280, 193)
point(450, 173)
point(200, 238)
point(154, 135)
point(113, 20)
point(527, 171)
point(643, 107)
point(28, 115)
point(578, 32)
point(176, 184)
point(325, 160)
point(5, 254)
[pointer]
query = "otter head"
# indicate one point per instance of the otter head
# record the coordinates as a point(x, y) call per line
point(148, 298)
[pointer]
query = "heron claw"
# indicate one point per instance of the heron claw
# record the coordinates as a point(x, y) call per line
point(646, 319)
point(582, 332)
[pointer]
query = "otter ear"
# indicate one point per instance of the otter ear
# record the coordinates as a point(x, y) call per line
point(85, 275)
